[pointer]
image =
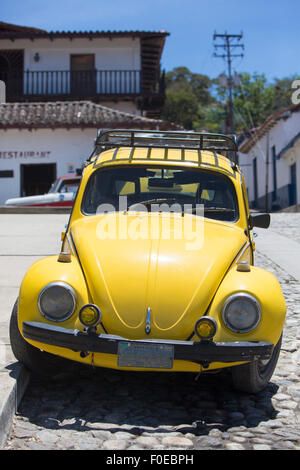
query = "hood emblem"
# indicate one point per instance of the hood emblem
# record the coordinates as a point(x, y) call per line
point(148, 320)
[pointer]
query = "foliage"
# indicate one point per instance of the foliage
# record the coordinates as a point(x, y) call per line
point(197, 102)
point(181, 107)
point(186, 94)
point(282, 91)
point(253, 100)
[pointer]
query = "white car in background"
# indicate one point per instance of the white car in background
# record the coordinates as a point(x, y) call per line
point(61, 194)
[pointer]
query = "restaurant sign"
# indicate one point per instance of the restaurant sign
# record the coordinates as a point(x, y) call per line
point(8, 155)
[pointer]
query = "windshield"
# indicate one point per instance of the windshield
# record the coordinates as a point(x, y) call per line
point(64, 186)
point(69, 186)
point(54, 186)
point(163, 186)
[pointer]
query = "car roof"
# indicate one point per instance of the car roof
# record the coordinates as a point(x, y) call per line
point(169, 157)
point(184, 148)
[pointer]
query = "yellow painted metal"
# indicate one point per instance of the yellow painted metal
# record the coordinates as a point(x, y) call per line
point(125, 276)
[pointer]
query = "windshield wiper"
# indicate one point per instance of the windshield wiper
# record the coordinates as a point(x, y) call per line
point(218, 209)
point(148, 202)
point(209, 209)
point(193, 210)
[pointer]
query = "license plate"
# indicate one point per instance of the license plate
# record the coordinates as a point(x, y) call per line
point(145, 355)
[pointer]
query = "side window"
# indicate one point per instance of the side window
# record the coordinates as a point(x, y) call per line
point(207, 194)
point(128, 188)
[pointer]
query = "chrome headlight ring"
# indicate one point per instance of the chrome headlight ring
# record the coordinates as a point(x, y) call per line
point(59, 308)
point(235, 314)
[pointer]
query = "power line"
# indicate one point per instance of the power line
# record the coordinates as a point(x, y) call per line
point(230, 43)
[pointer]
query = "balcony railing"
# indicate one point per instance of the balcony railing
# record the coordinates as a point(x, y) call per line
point(70, 84)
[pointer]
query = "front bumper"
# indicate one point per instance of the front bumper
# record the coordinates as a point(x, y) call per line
point(202, 353)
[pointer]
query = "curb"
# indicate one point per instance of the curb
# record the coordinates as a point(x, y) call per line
point(14, 380)
point(295, 208)
point(34, 210)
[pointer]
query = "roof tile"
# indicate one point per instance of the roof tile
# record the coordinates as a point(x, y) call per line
point(69, 114)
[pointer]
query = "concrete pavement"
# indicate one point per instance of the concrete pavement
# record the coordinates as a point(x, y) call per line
point(24, 238)
point(280, 249)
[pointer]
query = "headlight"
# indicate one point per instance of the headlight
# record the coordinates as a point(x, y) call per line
point(241, 312)
point(57, 301)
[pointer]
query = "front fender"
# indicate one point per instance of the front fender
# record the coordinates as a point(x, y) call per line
point(41, 273)
point(262, 285)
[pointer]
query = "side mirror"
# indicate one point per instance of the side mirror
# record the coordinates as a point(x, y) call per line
point(259, 220)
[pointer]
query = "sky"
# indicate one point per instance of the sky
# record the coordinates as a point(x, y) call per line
point(270, 28)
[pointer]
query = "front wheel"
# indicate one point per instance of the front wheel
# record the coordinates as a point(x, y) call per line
point(255, 376)
point(37, 361)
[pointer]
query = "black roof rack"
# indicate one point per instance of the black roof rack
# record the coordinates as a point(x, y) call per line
point(183, 140)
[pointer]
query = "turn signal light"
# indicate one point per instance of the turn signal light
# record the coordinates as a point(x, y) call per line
point(243, 266)
point(64, 257)
point(206, 328)
point(90, 315)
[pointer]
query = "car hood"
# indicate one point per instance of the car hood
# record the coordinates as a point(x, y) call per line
point(128, 274)
point(40, 199)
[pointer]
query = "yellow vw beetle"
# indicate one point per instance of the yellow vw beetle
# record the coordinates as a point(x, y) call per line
point(156, 270)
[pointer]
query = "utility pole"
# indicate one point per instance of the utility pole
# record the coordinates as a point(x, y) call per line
point(230, 42)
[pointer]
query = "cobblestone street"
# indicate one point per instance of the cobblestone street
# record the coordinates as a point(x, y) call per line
point(106, 409)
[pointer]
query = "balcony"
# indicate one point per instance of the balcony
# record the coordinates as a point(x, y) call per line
point(72, 85)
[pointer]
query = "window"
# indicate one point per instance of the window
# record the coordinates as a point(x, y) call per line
point(155, 185)
point(293, 185)
point(255, 184)
point(6, 174)
point(274, 195)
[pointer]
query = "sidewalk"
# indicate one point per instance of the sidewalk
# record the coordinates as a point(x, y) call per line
point(24, 238)
point(282, 250)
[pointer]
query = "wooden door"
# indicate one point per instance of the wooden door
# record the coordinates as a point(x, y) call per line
point(11, 72)
point(83, 75)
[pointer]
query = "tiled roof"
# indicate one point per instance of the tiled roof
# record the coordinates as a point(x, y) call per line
point(270, 122)
point(8, 30)
point(70, 114)
point(14, 28)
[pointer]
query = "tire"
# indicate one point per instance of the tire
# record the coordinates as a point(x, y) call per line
point(37, 361)
point(255, 376)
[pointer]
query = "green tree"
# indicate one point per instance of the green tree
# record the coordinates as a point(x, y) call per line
point(187, 94)
point(199, 103)
point(252, 100)
point(256, 99)
point(214, 118)
point(182, 78)
point(283, 91)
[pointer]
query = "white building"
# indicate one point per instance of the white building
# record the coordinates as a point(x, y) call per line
point(61, 87)
point(117, 68)
point(270, 161)
point(40, 141)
